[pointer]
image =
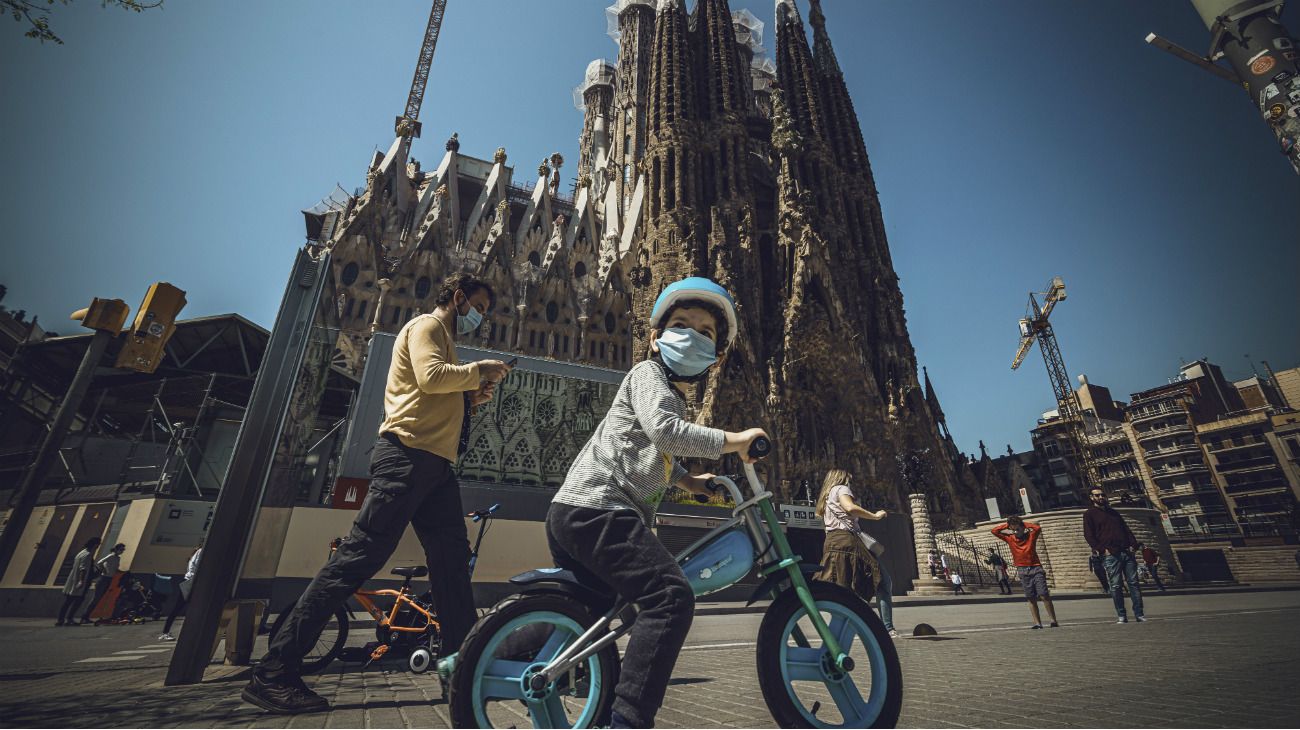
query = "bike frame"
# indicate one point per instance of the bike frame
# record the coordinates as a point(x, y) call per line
point(764, 528)
point(402, 596)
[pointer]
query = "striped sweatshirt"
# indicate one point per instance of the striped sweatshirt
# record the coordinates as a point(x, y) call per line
point(630, 460)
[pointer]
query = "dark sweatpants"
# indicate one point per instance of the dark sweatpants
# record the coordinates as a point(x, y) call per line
point(407, 486)
point(68, 611)
point(617, 549)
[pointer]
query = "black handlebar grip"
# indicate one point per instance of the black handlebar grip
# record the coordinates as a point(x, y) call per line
point(760, 448)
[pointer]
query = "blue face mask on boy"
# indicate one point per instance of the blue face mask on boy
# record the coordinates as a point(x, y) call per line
point(685, 351)
point(467, 323)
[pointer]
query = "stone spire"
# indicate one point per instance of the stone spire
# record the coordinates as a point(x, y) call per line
point(721, 83)
point(672, 85)
point(636, 24)
point(845, 132)
point(795, 71)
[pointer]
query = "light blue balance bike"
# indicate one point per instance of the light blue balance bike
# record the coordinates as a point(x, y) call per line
point(547, 657)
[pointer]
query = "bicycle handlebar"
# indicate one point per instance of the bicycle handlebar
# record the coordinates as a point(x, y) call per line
point(484, 513)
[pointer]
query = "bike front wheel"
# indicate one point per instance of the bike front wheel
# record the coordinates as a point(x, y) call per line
point(328, 645)
point(518, 637)
point(800, 682)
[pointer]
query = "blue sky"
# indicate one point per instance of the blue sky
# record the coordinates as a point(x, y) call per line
point(1011, 141)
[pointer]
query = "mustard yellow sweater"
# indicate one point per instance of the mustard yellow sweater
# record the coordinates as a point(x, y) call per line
point(423, 400)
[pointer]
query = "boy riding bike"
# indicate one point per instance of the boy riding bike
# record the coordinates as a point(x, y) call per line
point(599, 524)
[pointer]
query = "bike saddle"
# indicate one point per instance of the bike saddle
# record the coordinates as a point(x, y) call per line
point(411, 571)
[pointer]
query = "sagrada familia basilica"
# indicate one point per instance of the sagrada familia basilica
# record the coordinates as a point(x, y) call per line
point(698, 155)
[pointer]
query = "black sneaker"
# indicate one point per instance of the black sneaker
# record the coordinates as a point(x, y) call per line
point(289, 696)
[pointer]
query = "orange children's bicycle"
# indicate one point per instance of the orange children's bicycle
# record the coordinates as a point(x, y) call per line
point(409, 624)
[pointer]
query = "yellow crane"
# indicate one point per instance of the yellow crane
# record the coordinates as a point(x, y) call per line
point(1037, 328)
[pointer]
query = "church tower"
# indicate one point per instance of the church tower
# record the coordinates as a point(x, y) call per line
point(757, 176)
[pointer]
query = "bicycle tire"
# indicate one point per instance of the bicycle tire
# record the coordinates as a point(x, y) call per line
point(326, 650)
point(495, 631)
point(776, 662)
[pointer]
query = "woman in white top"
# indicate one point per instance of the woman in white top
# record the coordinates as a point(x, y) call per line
point(846, 561)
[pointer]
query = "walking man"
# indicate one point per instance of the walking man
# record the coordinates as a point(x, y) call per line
point(74, 590)
point(1111, 540)
point(1022, 538)
point(1152, 560)
point(956, 584)
point(426, 403)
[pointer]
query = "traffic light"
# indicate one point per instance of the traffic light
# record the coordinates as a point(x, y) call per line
point(103, 314)
point(154, 323)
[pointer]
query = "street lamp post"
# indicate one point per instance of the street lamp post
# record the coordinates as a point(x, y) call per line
point(1263, 60)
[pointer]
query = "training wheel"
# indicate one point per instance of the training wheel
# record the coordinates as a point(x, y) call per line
point(420, 660)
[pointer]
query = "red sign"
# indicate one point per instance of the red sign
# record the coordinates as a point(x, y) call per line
point(350, 492)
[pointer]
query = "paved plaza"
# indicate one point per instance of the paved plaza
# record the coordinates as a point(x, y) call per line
point(1214, 660)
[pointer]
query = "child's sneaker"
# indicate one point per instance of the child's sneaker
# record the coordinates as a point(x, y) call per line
point(1123, 620)
point(164, 636)
point(1141, 619)
point(1036, 626)
point(1054, 625)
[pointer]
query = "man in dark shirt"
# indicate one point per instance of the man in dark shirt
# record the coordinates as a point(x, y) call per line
point(1111, 540)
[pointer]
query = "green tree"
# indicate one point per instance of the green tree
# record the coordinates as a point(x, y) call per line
point(36, 13)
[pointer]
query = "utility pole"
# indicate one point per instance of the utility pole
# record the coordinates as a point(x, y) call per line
point(106, 317)
point(1262, 55)
point(245, 482)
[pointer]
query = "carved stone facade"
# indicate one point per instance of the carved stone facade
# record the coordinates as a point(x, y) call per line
point(698, 156)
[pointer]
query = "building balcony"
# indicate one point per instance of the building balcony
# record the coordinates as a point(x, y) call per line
point(1151, 415)
point(1114, 459)
point(1165, 452)
point(1236, 444)
point(1258, 486)
point(1247, 466)
point(1168, 470)
point(1122, 476)
point(1165, 430)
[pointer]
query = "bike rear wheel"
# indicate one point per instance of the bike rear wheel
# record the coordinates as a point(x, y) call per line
point(328, 645)
point(798, 677)
point(519, 636)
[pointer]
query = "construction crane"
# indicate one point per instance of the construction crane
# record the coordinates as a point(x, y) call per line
point(1036, 327)
point(407, 126)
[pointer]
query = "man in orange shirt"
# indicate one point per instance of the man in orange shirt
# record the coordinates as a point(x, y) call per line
point(1022, 538)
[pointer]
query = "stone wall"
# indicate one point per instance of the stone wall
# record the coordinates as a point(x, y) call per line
point(1065, 553)
point(1263, 564)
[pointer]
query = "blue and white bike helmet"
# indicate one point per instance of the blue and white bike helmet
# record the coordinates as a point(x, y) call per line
point(699, 288)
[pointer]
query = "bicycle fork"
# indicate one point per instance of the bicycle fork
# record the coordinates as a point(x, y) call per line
point(790, 563)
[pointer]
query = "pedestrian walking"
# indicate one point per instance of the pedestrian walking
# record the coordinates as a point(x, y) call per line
point(106, 568)
point(1022, 538)
point(1111, 540)
point(850, 556)
point(427, 400)
point(1000, 572)
point(74, 589)
point(1152, 560)
point(956, 584)
point(182, 593)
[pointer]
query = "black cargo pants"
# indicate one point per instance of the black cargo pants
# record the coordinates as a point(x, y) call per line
point(617, 550)
point(407, 486)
